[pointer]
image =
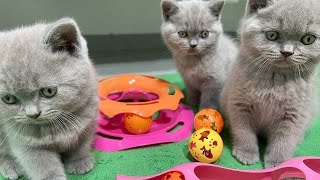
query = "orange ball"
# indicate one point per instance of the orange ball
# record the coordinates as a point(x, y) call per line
point(136, 124)
point(208, 118)
point(174, 175)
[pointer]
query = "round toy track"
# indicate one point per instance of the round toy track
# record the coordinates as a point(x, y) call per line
point(167, 95)
point(303, 167)
point(145, 96)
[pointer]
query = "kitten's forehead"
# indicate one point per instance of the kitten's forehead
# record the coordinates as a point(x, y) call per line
point(194, 15)
point(294, 16)
point(25, 63)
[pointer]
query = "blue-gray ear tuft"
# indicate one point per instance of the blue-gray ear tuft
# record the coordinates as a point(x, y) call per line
point(254, 6)
point(216, 7)
point(169, 8)
point(64, 35)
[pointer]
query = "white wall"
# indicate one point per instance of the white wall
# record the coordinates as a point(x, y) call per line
point(101, 16)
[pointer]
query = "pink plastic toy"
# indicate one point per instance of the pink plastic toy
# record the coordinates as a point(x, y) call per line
point(302, 167)
point(133, 94)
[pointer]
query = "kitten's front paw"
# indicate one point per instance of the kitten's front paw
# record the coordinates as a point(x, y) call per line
point(10, 170)
point(80, 166)
point(271, 164)
point(56, 177)
point(271, 161)
point(245, 156)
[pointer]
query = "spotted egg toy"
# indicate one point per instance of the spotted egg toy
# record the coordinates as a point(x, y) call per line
point(206, 145)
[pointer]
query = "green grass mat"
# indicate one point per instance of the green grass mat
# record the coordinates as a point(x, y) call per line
point(155, 159)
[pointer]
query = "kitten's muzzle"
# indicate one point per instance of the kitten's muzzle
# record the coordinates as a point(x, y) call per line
point(34, 115)
point(286, 53)
point(193, 45)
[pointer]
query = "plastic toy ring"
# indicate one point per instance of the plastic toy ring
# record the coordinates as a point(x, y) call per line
point(118, 94)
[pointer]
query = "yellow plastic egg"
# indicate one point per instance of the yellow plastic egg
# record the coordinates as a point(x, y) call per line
point(206, 145)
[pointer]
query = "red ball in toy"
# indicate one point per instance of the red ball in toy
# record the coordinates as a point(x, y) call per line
point(174, 175)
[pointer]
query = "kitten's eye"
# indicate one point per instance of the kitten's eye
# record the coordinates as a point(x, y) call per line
point(272, 35)
point(182, 34)
point(204, 34)
point(9, 99)
point(48, 92)
point(308, 39)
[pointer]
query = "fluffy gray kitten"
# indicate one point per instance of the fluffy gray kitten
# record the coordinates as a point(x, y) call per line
point(272, 88)
point(48, 105)
point(202, 53)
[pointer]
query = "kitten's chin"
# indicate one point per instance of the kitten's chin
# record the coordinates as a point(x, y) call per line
point(192, 52)
point(283, 63)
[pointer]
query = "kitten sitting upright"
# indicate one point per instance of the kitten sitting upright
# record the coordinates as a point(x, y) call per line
point(49, 101)
point(272, 87)
point(202, 53)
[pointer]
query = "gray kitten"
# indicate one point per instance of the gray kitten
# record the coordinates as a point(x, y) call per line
point(202, 53)
point(272, 88)
point(48, 91)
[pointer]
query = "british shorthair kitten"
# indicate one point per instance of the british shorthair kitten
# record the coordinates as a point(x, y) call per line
point(272, 90)
point(49, 101)
point(193, 32)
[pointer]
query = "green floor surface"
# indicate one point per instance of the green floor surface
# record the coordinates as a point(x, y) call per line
point(155, 159)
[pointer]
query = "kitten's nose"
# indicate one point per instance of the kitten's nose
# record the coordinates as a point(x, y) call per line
point(286, 53)
point(193, 45)
point(34, 115)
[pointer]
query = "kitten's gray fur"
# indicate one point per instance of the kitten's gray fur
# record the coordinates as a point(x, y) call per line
point(40, 56)
point(268, 94)
point(205, 67)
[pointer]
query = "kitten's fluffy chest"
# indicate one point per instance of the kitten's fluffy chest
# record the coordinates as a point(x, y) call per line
point(46, 137)
point(196, 69)
point(273, 98)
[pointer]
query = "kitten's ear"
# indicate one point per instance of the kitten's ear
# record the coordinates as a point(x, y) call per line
point(254, 5)
point(64, 35)
point(169, 8)
point(216, 7)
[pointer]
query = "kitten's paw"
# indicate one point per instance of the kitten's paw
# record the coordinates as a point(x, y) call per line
point(10, 170)
point(80, 166)
point(271, 160)
point(246, 157)
point(56, 177)
point(271, 164)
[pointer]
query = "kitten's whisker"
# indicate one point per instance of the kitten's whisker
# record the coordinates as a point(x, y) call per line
point(5, 120)
point(64, 124)
point(70, 119)
point(55, 126)
point(252, 60)
point(61, 126)
point(255, 65)
point(75, 118)
point(261, 67)
point(18, 131)
point(10, 129)
point(313, 68)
